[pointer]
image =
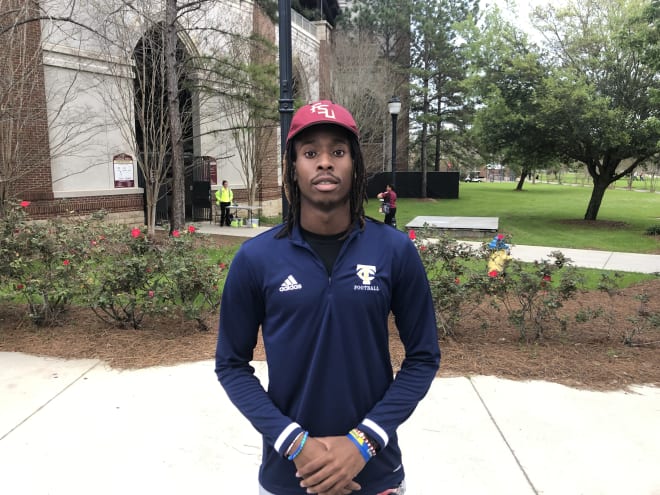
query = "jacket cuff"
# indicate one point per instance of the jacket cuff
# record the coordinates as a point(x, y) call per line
point(287, 436)
point(372, 429)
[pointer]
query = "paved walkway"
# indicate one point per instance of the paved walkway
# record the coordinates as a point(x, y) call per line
point(78, 427)
point(587, 258)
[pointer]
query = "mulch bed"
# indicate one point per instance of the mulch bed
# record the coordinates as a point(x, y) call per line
point(588, 355)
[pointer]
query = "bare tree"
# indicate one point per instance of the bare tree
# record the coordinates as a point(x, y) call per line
point(37, 123)
point(141, 99)
point(136, 98)
point(362, 81)
point(247, 85)
point(146, 55)
point(176, 133)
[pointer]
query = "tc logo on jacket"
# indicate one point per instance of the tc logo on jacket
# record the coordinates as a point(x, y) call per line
point(366, 273)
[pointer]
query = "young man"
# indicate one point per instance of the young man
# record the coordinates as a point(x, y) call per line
point(389, 205)
point(223, 198)
point(321, 288)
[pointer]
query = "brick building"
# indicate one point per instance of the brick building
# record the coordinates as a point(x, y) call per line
point(70, 136)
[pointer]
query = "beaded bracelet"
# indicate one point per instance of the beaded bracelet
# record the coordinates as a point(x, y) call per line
point(300, 447)
point(367, 441)
point(358, 438)
point(290, 448)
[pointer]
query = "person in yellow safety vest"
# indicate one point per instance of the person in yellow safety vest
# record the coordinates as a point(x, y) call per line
point(499, 257)
point(223, 198)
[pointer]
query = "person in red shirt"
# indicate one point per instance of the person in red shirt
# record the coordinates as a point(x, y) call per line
point(389, 205)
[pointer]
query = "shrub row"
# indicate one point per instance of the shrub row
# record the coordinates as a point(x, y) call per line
point(122, 274)
point(530, 295)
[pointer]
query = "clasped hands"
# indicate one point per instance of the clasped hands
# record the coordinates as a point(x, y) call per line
point(328, 465)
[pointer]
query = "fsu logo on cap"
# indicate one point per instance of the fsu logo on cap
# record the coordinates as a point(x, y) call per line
point(322, 109)
point(321, 112)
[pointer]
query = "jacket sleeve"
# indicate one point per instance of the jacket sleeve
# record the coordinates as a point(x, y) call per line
point(241, 314)
point(414, 314)
point(217, 196)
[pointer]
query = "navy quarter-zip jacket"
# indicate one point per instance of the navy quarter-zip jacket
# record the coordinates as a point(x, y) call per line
point(326, 342)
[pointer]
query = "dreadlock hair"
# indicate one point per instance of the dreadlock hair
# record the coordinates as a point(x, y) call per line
point(358, 194)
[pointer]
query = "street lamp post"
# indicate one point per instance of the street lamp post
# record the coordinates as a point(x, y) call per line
point(394, 107)
point(286, 87)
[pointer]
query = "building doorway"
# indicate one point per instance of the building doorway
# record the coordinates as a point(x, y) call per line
point(152, 121)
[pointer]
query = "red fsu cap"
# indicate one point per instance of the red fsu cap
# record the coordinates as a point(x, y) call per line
point(321, 112)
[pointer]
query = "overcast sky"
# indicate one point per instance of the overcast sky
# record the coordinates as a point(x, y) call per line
point(521, 10)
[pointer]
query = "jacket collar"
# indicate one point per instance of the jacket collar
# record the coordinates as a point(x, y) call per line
point(297, 237)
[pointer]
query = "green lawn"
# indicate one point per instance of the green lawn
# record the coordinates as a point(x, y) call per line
point(650, 183)
point(548, 214)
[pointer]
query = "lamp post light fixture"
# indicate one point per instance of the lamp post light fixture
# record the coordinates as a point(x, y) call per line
point(394, 107)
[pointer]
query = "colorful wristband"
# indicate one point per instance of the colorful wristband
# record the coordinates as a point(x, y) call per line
point(295, 440)
point(361, 437)
point(362, 447)
point(300, 447)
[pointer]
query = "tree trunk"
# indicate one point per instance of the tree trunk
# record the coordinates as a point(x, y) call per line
point(150, 209)
point(151, 219)
point(438, 126)
point(603, 174)
point(178, 185)
point(596, 199)
point(523, 176)
point(423, 162)
point(424, 137)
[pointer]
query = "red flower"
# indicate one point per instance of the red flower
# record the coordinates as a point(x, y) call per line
point(493, 273)
point(191, 229)
point(135, 233)
point(412, 235)
point(422, 248)
point(25, 204)
point(176, 233)
point(222, 266)
point(19, 286)
point(151, 293)
point(500, 237)
point(547, 278)
point(457, 280)
point(94, 243)
point(65, 262)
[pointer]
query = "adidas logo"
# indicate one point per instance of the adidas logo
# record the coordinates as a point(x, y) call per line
point(290, 284)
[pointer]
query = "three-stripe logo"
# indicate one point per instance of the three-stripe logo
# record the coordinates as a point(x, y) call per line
point(290, 284)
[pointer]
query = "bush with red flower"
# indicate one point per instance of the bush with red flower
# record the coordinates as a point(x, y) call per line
point(123, 277)
point(191, 282)
point(532, 294)
point(134, 276)
point(46, 261)
point(120, 272)
point(454, 277)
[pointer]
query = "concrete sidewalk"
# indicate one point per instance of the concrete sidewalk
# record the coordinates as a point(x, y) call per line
point(78, 427)
point(586, 258)
point(75, 427)
point(589, 258)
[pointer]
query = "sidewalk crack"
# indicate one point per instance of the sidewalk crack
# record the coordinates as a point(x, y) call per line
point(25, 420)
point(522, 469)
point(607, 261)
